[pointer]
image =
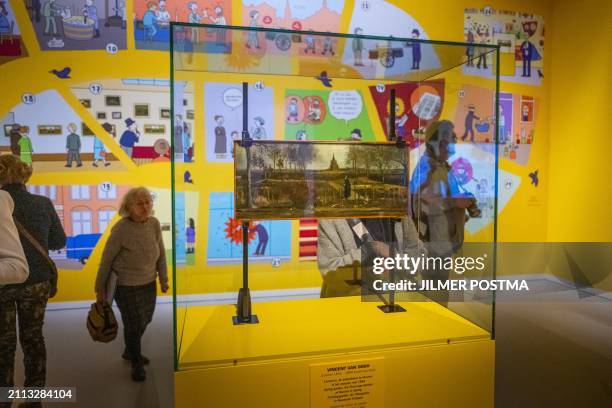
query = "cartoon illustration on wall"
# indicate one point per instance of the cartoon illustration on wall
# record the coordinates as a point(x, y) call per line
point(50, 136)
point(223, 116)
point(473, 169)
point(416, 105)
point(387, 58)
point(152, 23)
point(138, 112)
point(186, 205)
point(520, 35)
point(304, 15)
point(474, 116)
point(85, 212)
point(475, 121)
point(78, 24)
point(11, 44)
point(326, 115)
point(308, 239)
point(268, 240)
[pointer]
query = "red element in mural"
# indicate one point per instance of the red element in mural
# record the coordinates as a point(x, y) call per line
point(233, 231)
point(267, 20)
point(308, 239)
point(296, 25)
point(417, 105)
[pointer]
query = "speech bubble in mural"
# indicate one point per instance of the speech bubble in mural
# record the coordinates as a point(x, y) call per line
point(345, 105)
point(232, 98)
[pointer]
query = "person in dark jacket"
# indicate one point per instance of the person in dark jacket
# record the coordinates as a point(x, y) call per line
point(73, 146)
point(27, 301)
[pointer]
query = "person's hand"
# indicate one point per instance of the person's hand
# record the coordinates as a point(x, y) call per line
point(380, 248)
point(164, 287)
point(100, 297)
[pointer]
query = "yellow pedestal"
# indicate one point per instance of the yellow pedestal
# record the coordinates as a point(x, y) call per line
point(430, 356)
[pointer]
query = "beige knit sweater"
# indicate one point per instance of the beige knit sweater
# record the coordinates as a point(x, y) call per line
point(13, 264)
point(135, 252)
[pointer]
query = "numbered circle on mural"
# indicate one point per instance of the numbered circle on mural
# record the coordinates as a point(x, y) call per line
point(488, 10)
point(461, 93)
point(95, 89)
point(28, 98)
point(276, 262)
point(259, 86)
point(508, 184)
point(380, 88)
point(365, 5)
point(106, 186)
point(112, 48)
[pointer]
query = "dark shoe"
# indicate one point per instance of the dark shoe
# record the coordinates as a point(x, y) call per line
point(106, 164)
point(127, 357)
point(138, 373)
point(68, 165)
point(79, 165)
point(95, 164)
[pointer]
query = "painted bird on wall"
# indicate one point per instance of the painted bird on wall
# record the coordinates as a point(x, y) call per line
point(534, 178)
point(61, 74)
point(325, 80)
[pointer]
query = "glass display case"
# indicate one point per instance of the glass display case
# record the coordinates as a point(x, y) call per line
point(294, 134)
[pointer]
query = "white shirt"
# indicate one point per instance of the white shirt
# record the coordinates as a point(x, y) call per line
point(13, 264)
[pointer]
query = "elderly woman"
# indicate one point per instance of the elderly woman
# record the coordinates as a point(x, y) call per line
point(135, 253)
point(39, 230)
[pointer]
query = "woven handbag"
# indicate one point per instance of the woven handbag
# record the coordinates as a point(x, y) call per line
point(101, 322)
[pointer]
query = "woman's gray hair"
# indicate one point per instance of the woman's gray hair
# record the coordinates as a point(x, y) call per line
point(125, 210)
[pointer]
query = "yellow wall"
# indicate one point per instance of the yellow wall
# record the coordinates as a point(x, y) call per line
point(580, 177)
point(524, 218)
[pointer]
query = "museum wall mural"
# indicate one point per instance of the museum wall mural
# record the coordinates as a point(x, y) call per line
point(87, 102)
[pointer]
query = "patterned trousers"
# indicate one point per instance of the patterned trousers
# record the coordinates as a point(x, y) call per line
point(136, 304)
point(25, 304)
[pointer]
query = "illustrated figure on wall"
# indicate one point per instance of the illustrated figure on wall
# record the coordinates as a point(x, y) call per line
point(482, 52)
point(525, 113)
point(259, 132)
point(357, 45)
point(502, 126)
point(401, 118)
point(190, 236)
point(310, 45)
point(186, 142)
point(528, 50)
point(195, 18)
point(149, 19)
point(220, 135)
point(416, 50)
point(25, 146)
point(314, 110)
point(178, 132)
point(15, 135)
point(162, 15)
point(328, 46)
point(262, 237)
point(355, 135)
point(252, 39)
point(469, 122)
point(99, 150)
point(35, 11)
point(5, 25)
point(218, 19)
point(50, 10)
point(292, 110)
point(90, 11)
point(301, 135)
point(469, 50)
point(129, 137)
point(73, 146)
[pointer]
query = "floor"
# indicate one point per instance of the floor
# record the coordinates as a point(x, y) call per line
point(96, 370)
point(553, 351)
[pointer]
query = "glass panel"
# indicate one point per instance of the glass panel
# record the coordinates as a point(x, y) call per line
point(294, 86)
